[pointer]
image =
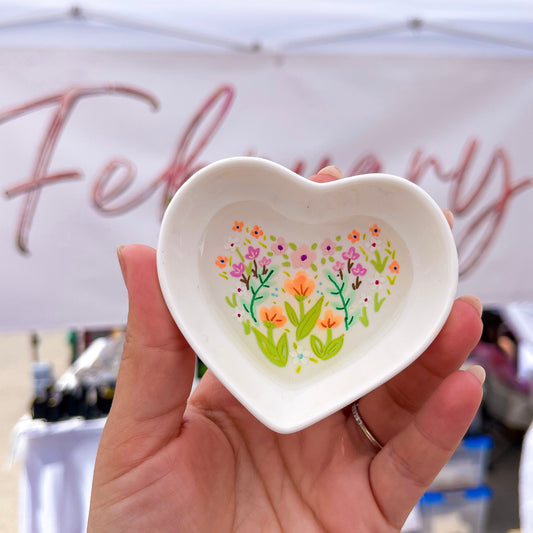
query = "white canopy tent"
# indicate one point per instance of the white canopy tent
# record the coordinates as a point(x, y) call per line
point(351, 26)
point(438, 92)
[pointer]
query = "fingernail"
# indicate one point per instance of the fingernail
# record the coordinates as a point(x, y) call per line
point(449, 217)
point(121, 261)
point(333, 171)
point(477, 371)
point(474, 301)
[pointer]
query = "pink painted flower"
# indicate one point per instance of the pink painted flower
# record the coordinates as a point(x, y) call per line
point(339, 265)
point(238, 270)
point(303, 257)
point(253, 253)
point(264, 261)
point(350, 254)
point(327, 247)
point(359, 270)
point(280, 246)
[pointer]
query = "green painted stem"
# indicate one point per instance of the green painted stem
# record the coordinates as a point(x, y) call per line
point(343, 301)
point(256, 292)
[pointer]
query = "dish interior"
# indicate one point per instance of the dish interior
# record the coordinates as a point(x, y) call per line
point(302, 300)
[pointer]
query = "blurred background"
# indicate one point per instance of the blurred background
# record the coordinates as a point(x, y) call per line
point(107, 108)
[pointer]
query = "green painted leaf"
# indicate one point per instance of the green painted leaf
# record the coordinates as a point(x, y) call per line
point(272, 238)
point(286, 264)
point(269, 348)
point(332, 348)
point(248, 268)
point(338, 238)
point(364, 317)
point(377, 302)
point(247, 328)
point(231, 303)
point(331, 258)
point(323, 260)
point(291, 313)
point(379, 263)
point(392, 279)
point(338, 248)
point(282, 349)
point(313, 267)
point(293, 246)
point(314, 246)
point(309, 320)
point(317, 346)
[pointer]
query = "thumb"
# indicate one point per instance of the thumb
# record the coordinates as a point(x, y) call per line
point(157, 368)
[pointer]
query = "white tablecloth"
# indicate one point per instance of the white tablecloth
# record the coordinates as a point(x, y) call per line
point(56, 479)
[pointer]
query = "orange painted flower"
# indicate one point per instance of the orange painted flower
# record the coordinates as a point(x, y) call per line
point(329, 320)
point(256, 232)
point(353, 236)
point(394, 267)
point(300, 286)
point(222, 261)
point(375, 230)
point(238, 225)
point(273, 316)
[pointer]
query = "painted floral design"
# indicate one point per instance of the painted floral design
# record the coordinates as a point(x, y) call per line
point(221, 261)
point(354, 236)
point(280, 246)
point(256, 232)
point(302, 257)
point(327, 247)
point(298, 300)
point(375, 230)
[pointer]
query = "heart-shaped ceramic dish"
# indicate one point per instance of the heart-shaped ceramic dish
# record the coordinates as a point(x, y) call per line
point(302, 297)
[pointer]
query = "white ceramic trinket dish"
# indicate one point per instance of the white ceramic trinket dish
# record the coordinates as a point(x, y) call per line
point(302, 297)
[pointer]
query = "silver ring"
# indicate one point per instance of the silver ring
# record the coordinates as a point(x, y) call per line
point(364, 429)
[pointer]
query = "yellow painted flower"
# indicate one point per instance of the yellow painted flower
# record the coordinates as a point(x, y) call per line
point(329, 320)
point(301, 286)
point(354, 236)
point(375, 230)
point(222, 261)
point(394, 267)
point(273, 316)
point(256, 232)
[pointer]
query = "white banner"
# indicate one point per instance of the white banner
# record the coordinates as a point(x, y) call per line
point(92, 143)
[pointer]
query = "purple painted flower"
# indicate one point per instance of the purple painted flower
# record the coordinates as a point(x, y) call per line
point(350, 254)
point(253, 253)
point(339, 265)
point(359, 270)
point(280, 246)
point(303, 257)
point(238, 270)
point(264, 261)
point(327, 247)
